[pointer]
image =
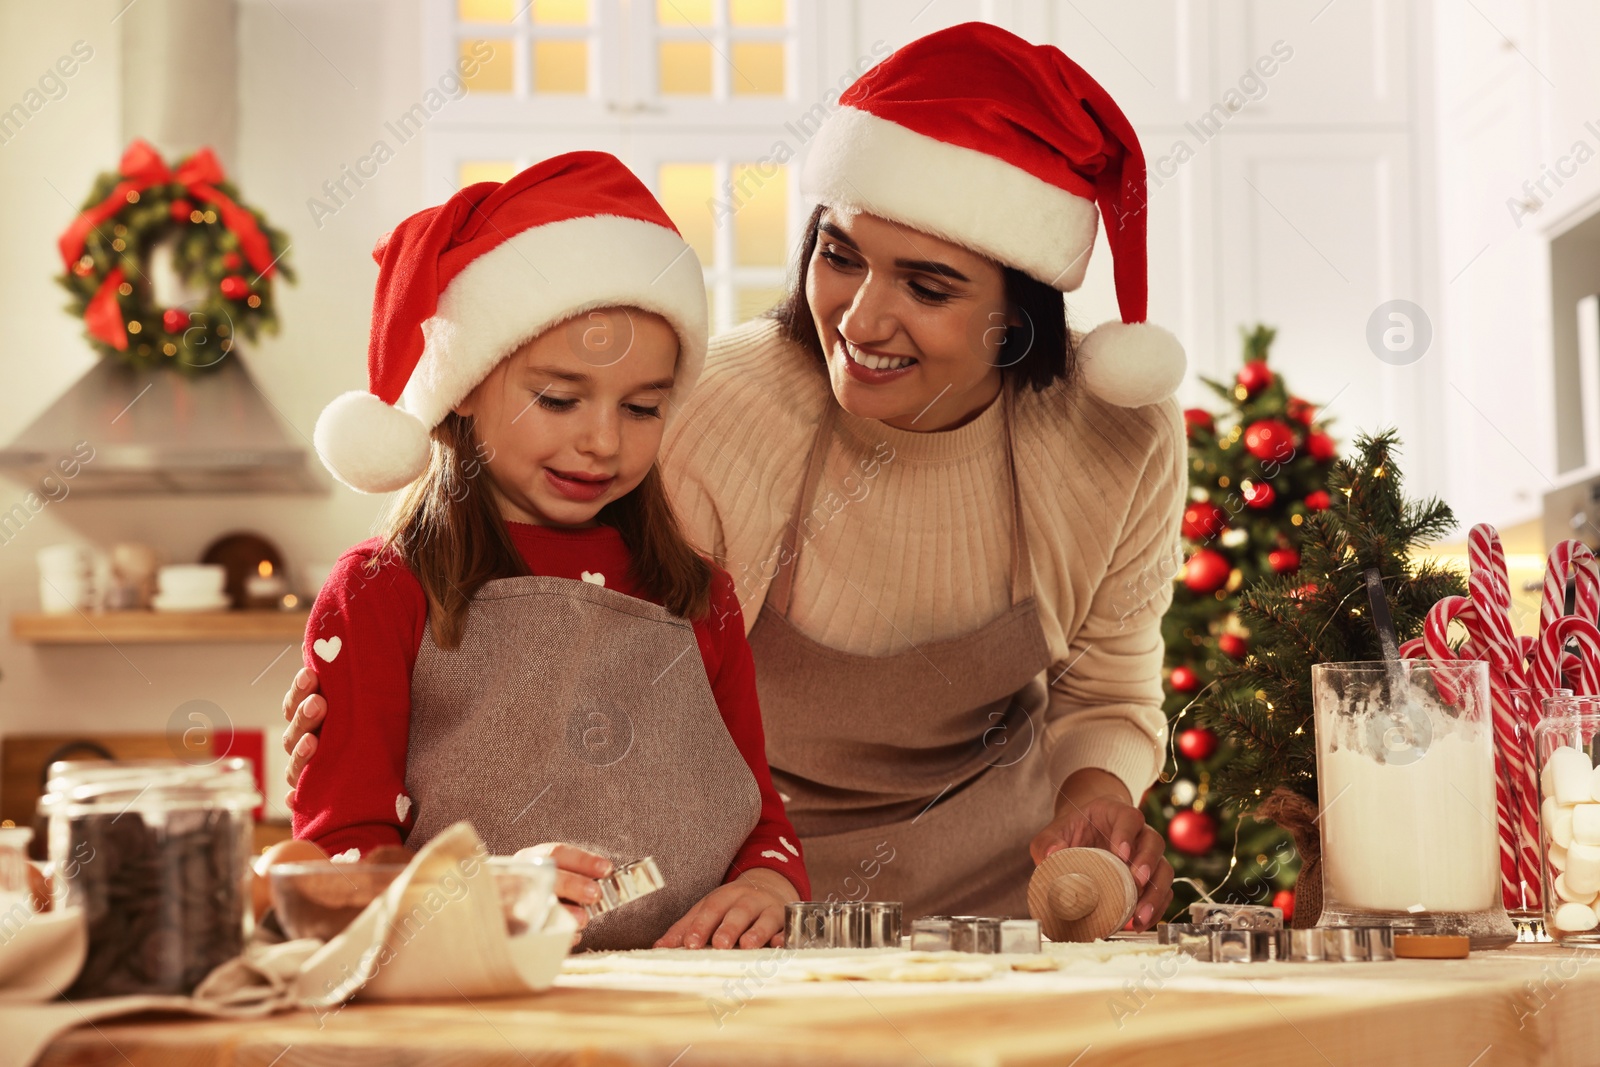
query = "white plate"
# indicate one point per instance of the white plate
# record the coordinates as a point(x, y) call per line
point(161, 602)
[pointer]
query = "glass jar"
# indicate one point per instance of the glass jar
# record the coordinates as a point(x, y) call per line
point(157, 853)
point(1519, 766)
point(1406, 780)
point(1565, 753)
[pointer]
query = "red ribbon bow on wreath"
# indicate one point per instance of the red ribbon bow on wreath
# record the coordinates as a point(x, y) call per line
point(141, 167)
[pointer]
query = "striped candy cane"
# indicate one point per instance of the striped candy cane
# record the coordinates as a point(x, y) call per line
point(1491, 599)
point(1570, 559)
point(1435, 636)
point(1585, 678)
point(1436, 640)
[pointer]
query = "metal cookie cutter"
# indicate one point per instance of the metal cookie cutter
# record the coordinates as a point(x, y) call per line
point(1349, 944)
point(627, 883)
point(1236, 916)
point(974, 933)
point(842, 924)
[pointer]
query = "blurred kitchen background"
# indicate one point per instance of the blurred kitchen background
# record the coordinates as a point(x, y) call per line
point(1311, 162)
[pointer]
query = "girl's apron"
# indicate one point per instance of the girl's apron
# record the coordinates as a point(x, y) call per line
point(916, 776)
point(571, 712)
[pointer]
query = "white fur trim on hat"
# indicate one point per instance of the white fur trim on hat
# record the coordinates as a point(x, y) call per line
point(1131, 364)
point(544, 276)
point(370, 446)
point(971, 198)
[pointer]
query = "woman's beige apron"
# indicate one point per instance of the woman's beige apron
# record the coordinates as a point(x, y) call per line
point(916, 776)
point(571, 712)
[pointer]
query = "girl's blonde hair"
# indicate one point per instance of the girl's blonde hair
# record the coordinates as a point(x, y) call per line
point(449, 532)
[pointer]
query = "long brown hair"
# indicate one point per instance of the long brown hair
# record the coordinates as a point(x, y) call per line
point(448, 530)
point(1045, 343)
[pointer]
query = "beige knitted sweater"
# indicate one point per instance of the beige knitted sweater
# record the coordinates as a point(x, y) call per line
point(911, 538)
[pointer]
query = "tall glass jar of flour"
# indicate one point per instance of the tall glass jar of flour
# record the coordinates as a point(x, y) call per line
point(1406, 780)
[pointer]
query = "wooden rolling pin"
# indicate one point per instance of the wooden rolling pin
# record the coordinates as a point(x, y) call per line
point(1081, 894)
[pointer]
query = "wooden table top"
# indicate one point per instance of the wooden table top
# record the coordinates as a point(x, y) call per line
point(1526, 1005)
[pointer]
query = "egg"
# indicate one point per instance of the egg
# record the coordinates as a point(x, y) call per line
point(39, 886)
point(291, 851)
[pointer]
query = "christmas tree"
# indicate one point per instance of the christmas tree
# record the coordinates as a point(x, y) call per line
point(1262, 705)
point(1257, 473)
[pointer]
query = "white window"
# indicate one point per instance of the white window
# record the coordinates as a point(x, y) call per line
point(708, 101)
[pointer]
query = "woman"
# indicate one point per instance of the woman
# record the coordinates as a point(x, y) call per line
point(951, 523)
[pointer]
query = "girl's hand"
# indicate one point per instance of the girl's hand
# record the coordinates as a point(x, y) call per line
point(304, 707)
point(576, 871)
point(747, 913)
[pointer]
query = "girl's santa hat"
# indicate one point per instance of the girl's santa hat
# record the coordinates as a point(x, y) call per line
point(1007, 148)
point(463, 285)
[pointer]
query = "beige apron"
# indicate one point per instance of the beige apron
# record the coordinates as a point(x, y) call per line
point(916, 776)
point(571, 712)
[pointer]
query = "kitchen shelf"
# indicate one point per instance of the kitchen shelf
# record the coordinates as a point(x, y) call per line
point(149, 627)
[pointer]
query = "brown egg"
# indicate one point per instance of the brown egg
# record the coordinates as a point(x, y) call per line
point(291, 851)
point(39, 886)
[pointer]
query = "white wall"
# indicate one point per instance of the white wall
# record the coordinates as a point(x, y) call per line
point(317, 82)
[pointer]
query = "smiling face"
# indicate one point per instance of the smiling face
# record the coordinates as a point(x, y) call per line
point(571, 421)
point(911, 325)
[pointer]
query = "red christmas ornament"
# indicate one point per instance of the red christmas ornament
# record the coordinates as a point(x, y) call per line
point(1198, 419)
point(1284, 560)
point(1184, 680)
point(1269, 439)
point(1284, 900)
point(1254, 376)
point(180, 210)
point(1194, 832)
point(1302, 411)
point(1197, 744)
point(174, 320)
point(1258, 494)
point(1321, 447)
point(234, 287)
point(1233, 646)
point(231, 260)
point(1203, 520)
point(1318, 500)
point(1309, 589)
point(1206, 572)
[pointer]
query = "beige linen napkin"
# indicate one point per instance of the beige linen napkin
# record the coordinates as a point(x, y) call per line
point(437, 932)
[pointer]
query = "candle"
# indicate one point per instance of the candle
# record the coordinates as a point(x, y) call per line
point(265, 589)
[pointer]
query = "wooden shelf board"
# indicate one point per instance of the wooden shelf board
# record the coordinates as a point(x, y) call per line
point(149, 627)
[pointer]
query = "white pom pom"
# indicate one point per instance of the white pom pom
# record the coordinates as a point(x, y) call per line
point(371, 446)
point(1131, 364)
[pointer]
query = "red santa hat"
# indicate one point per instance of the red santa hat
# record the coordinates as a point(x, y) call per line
point(1007, 148)
point(463, 285)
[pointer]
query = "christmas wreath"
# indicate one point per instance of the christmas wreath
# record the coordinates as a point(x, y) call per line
point(223, 252)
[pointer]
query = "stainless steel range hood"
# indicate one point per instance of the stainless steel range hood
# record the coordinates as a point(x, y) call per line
point(157, 431)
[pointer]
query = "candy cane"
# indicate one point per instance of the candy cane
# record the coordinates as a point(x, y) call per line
point(1515, 765)
point(1435, 638)
point(1551, 655)
point(1491, 599)
point(1570, 559)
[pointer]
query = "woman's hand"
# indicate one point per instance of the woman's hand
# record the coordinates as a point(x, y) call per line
point(1092, 811)
point(745, 913)
point(576, 871)
point(304, 707)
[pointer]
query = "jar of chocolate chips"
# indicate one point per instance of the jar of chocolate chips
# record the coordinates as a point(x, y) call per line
point(157, 853)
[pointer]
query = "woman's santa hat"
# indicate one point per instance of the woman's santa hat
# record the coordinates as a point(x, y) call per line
point(1007, 148)
point(463, 285)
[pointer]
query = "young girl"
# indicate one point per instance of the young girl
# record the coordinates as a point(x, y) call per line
point(531, 644)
